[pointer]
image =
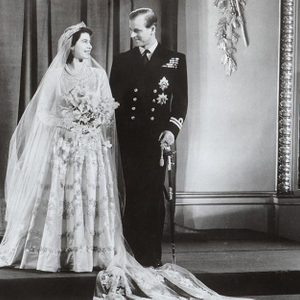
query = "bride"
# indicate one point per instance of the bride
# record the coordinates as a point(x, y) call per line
point(62, 195)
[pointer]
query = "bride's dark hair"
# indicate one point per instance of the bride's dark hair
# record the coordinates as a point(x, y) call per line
point(75, 38)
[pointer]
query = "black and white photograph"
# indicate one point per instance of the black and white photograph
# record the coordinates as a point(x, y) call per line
point(149, 149)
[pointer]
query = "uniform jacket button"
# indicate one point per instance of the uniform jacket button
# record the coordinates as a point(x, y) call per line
point(133, 107)
point(132, 117)
point(152, 118)
point(152, 109)
point(134, 98)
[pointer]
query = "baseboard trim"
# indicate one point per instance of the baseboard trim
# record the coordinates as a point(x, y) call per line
point(231, 194)
point(287, 201)
point(225, 198)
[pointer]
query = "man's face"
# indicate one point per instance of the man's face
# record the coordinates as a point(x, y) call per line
point(140, 34)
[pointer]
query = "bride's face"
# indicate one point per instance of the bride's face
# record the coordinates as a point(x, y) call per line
point(82, 49)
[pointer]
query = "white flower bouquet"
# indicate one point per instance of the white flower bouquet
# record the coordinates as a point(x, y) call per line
point(85, 111)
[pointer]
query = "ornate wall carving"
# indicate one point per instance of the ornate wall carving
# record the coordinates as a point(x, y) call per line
point(286, 88)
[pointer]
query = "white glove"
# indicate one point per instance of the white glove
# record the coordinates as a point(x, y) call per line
point(166, 139)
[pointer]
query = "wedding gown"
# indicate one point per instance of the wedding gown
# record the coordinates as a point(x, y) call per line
point(62, 193)
point(71, 221)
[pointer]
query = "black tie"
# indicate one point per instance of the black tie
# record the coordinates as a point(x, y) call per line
point(145, 57)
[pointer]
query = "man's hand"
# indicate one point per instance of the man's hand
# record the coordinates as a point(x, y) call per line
point(166, 139)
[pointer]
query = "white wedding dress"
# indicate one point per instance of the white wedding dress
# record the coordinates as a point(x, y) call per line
point(62, 193)
point(72, 217)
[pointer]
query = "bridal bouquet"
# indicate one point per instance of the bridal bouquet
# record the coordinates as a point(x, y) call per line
point(85, 111)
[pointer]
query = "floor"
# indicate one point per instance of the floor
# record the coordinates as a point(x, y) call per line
point(240, 262)
point(253, 253)
point(234, 263)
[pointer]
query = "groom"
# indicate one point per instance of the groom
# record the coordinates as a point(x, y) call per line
point(150, 83)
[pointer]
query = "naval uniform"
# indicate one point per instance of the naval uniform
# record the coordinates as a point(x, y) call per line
point(153, 98)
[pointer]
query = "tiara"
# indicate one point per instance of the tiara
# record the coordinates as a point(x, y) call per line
point(68, 33)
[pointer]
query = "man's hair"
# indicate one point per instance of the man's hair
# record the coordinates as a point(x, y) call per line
point(150, 16)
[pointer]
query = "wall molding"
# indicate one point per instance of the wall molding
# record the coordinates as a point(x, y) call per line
point(265, 205)
point(287, 201)
point(2, 216)
point(286, 97)
point(225, 198)
point(236, 198)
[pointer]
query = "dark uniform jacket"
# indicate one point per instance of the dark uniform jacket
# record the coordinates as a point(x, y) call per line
point(152, 98)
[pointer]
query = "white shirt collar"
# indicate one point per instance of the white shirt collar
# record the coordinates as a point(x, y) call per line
point(151, 49)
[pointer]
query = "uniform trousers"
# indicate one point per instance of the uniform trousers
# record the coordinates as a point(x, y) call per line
point(144, 214)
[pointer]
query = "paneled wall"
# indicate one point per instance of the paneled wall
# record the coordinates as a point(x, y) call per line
point(227, 148)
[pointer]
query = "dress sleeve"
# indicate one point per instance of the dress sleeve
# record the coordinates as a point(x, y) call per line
point(48, 94)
